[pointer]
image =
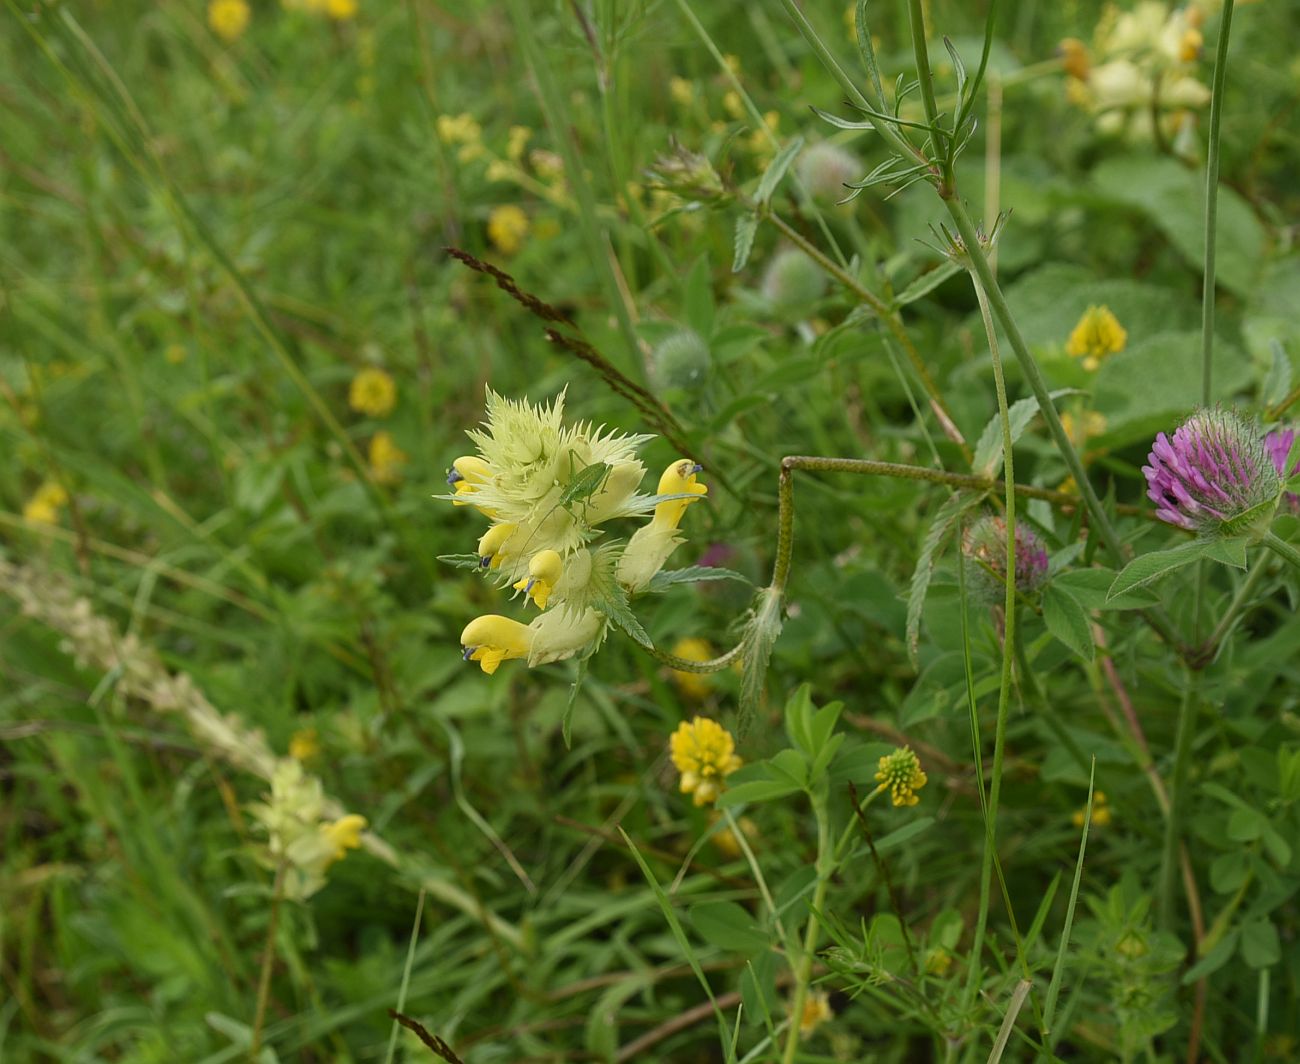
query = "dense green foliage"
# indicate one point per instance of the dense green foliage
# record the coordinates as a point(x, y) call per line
point(206, 237)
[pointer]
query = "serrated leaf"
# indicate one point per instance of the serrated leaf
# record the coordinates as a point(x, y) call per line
point(609, 598)
point(988, 452)
point(1089, 587)
point(867, 50)
point(1278, 382)
point(776, 170)
point(692, 574)
point(462, 561)
point(1148, 567)
point(746, 227)
point(1067, 621)
point(935, 535)
point(760, 636)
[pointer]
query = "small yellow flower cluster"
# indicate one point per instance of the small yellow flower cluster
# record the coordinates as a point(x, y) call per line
point(46, 504)
point(372, 392)
point(1140, 69)
point(304, 744)
point(1083, 427)
point(816, 1011)
point(548, 488)
point(1097, 336)
point(301, 839)
point(338, 10)
point(1100, 812)
point(463, 133)
point(900, 774)
point(386, 458)
point(507, 227)
point(229, 18)
point(704, 752)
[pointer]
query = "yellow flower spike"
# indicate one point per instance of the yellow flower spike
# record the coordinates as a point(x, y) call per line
point(544, 570)
point(704, 752)
point(45, 504)
point(466, 475)
point(490, 544)
point(900, 774)
point(345, 834)
point(678, 479)
point(1098, 335)
point(492, 639)
point(372, 392)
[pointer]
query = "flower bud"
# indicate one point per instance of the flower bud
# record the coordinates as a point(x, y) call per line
point(826, 169)
point(793, 282)
point(688, 174)
point(681, 360)
point(985, 544)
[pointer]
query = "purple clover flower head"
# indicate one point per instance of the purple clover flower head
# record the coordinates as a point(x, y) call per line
point(1214, 470)
point(1278, 444)
point(985, 544)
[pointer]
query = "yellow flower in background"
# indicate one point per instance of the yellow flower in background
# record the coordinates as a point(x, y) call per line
point(372, 392)
point(459, 129)
point(725, 839)
point(694, 685)
point(1084, 427)
point(548, 165)
point(900, 774)
point(507, 227)
point(341, 10)
point(46, 504)
point(304, 744)
point(1100, 812)
point(682, 91)
point(345, 834)
point(1097, 336)
point(704, 752)
point(732, 104)
point(175, 354)
point(516, 142)
point(228, 18)
point(386, 458)
point(816, 1011)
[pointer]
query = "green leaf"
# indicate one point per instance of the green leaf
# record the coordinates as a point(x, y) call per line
point(1088, 587)
point(867, 50)
point(988, 452)
point(1228, 871)
point(692, 574)
point(1212, 961)
point(761, 635)
point(927, 283)
point(1278, 382)
point(776, 170)
point(728, 926)
point(756, 791)
point(789, 766)
point(746, 228)
point(904, 834)
point(798, 712)
point(462, 561)
point(935, 536)
point(1067, 621)
point(1148, 567)
point(566, 723)
point(1260, 947)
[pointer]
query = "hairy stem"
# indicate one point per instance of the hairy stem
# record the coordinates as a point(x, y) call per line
point(803, 966)
point(1212, 202)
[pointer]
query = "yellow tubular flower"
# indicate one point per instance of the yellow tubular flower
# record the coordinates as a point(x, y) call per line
point(492, 639)
point(544, 571)
point(900, 774)
point(1097, 336)
point(490, 544)
point(678, 479)
point(465, 476)
point(344, 834)
point(704, 752)
point(372, 392)
point(651, 544)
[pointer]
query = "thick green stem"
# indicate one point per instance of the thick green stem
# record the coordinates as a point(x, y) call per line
point(1243, 598)
point(803, 966)
point(1282, 548)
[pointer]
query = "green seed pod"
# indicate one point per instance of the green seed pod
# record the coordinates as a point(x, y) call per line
point(682, 360)
point(793, 282)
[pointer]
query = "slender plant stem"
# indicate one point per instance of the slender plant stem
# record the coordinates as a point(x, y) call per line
point(1008, 645)
point(922, 56)
point(1183, 743)
point(1243, 598)
point(803, 968)
point(1282, 548)
point(268, 961)
point(1212, 202)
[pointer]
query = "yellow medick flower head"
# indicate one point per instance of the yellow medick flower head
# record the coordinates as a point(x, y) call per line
point(816, 1011)
point(372, 392)
point(341, 10)
point(386, 458)
point(544, 571)
point(1100, 812)
point(345, 834)
point(507, 227)
point(682, 91)
point(516, 141)
point(44, 506)
point(732, 104)
point(1084, 427)
point(458, 129)
point(900, 774)
point(694, 685)
point(704, 752)
point(499, 170)
point(228, 18)
point(1097, 336)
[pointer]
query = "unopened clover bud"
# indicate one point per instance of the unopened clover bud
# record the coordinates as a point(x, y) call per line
point(681, 360)
point(826, 170)
point(1214, 476)
point(793, 282)
point(688, 174)
point(985, 544)
point(544, 571)
point(900, 774)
